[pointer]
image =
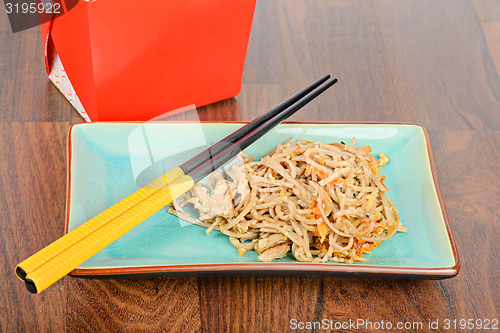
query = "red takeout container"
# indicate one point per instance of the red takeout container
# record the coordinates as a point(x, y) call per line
point(135, 60)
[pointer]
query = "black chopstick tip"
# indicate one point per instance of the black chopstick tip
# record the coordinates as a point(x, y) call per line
point(333, 81)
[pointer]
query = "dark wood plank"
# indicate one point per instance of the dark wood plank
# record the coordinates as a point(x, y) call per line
point(491, 31)
point(257, 304)
point(32, 200)
point(25, 90)
point(470, 193)
point(142, 305)
point(437, 55)
point(292, 44)
point(487, 10)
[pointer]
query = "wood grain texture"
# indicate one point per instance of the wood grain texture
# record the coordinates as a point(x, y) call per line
point(432, 62)
point(491, 32)
point(473, 214)
point(436, 60)
point(152, 305)
point(31, 212)
point(25, 91)
point(487, 10)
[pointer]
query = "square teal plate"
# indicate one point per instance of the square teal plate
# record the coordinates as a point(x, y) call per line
point(108, 161)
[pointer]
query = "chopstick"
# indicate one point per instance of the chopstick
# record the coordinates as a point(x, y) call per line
point(61, 257)
point(225, 155)
point(51, 251)
point(207, 154)
point(231, 139)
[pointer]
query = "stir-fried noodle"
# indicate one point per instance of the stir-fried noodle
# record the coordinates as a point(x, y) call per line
point(321, 201)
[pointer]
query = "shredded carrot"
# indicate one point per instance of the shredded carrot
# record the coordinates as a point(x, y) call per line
point(320, 173)
point(367, 247)
point(323, 232)
point(339, 182)
point(364, 149)
point(382, 160)
point(316, 211)
point(360, 241)
point(312, 205)
point(282, 193)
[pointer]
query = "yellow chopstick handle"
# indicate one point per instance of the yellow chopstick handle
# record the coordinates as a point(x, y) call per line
point(63, 243)
point(85, 248)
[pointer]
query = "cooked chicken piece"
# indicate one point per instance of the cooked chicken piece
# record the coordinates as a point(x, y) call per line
point(275, 252)
point(239, 187)
point(217, 202)
point(265, 243)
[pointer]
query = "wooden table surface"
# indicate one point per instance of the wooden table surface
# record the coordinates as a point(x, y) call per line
point(431, 62)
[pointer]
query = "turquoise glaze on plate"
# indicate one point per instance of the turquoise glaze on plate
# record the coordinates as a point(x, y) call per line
point(111, 160)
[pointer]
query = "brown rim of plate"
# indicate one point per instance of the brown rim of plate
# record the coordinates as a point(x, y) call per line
point(261, 268)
